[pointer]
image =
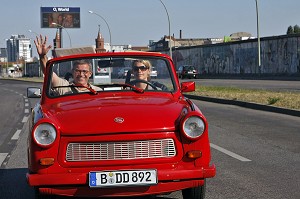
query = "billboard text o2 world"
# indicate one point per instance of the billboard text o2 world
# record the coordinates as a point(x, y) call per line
point(60, 17)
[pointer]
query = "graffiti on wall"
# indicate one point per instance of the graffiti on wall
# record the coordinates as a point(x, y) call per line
point(279, 55)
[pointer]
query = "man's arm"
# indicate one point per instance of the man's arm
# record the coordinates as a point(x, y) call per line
point(42, 50)
point(43, 63)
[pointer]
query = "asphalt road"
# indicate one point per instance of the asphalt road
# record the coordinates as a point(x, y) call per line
point(256, 152)
point(14, 108)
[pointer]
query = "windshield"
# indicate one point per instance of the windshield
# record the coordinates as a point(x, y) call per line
point(110, 74)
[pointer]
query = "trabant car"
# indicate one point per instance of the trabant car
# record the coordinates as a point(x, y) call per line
point(119, 139)
point(187, 71)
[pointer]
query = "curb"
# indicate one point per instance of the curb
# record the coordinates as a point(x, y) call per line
point(247, 105)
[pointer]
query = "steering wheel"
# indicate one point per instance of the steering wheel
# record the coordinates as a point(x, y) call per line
point(133, 82)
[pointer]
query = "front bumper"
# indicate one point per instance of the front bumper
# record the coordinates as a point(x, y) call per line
point(76, 184)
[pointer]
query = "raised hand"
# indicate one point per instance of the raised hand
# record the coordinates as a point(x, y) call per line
point(41, 45)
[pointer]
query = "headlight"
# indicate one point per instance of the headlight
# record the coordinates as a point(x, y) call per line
point(193, 127)
point(44, 134)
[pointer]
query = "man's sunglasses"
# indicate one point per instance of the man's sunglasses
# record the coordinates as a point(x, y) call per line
point(142, 68)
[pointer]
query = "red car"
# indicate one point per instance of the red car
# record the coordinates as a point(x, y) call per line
point(121, 139)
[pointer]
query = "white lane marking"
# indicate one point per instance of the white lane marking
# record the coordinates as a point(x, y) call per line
point(26, 104)
point(25, 119)
point(16, 135)
point(2, 157)
point(26, 100)
point(26, 111)
point(234, 155)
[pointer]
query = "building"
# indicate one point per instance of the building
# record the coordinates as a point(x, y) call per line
point(100, 46)
point(105, 47)
point(163, 43)
point(3, 55)
point(239, 36)
point(18, 48)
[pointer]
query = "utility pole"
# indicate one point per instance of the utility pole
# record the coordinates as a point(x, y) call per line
point(170, 44)
point(258, 37)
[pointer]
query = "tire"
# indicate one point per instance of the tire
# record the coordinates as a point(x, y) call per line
point(195, 192)
point(37, 195)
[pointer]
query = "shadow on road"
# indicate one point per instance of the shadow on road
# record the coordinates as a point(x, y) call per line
point(13, 184)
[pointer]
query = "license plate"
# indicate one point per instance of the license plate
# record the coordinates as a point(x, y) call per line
point(122, 178)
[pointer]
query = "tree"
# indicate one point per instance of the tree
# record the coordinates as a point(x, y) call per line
point(296, 29)
point(293, 30)
point(290, 30)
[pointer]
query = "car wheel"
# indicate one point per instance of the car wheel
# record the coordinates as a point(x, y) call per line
point(149, 196)
point(194, 193)
point(41, 196)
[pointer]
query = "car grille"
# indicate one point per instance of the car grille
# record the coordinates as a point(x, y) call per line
point(120, 150)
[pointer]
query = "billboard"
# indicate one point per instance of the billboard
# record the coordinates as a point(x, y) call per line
point(67, 17)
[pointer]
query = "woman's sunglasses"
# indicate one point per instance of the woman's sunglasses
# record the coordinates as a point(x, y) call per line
point(137, 68)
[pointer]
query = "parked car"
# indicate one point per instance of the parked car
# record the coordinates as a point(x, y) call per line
point(120, 140)
point(122, 73)
point(187, 71)
point(153, 72)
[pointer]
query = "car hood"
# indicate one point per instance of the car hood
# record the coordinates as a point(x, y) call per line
point(116, 114)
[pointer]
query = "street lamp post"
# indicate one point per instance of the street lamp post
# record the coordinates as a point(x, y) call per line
point(92, 12)
point(60, 26)
point(258, 37)
point(170, 45)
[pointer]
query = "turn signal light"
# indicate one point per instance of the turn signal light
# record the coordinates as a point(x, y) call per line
point(46, 161)
point(194, 154)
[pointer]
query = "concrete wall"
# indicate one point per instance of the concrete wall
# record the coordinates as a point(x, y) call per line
point(279, 55)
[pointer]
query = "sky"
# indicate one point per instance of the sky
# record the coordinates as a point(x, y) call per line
point(135, 22)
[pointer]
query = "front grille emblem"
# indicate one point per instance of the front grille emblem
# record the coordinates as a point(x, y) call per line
point(119, 120)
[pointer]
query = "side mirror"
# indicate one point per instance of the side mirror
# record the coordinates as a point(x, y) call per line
point(34, 92)
point(187, 86)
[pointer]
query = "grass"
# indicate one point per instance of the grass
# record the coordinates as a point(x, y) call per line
point(289, 100)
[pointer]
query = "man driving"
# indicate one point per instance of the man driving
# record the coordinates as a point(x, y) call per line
point(81, 72)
